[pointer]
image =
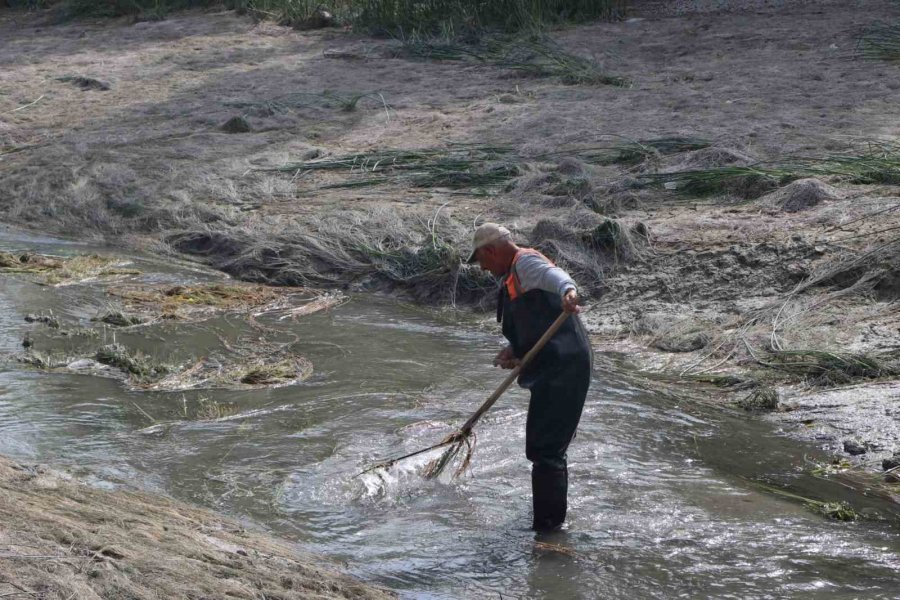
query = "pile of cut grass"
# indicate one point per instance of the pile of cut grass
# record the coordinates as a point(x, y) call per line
point(57, 270)
point(875, 163)
point(881, 42)
point(831, 368)
point(535, 55)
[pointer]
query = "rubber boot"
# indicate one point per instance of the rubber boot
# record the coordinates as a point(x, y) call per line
point(549, 488)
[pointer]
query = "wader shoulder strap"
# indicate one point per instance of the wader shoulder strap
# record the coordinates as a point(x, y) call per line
point(512, 284)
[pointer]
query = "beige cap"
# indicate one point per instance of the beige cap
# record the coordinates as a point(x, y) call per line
point(487, 233)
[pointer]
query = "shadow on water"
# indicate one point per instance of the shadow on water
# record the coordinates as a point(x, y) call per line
point(662, 499)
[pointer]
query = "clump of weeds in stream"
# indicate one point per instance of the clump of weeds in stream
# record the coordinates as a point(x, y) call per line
point(232, 372)
point(58, 270)
point(44, 360)
point(862, 476)
point(280, 372)
point(118, 318)
point(136, 365)
point(212, 410)
point(837, 510)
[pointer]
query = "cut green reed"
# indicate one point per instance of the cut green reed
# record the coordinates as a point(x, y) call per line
point(875, 163)
point(535, 55)
point(881, 42)
point(484, 168)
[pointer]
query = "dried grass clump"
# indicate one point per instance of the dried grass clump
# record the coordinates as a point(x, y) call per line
point(801, 195)
point(831, 368)
point(670, 333)
point(58, 270)
point(590, 247)
point(763, 398)
point(85, 83)
point(795, 334)
point(61, 539)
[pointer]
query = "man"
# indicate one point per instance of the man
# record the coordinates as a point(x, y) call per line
point(532, 295)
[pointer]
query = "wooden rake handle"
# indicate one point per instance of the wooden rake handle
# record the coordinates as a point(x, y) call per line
point(551, 331)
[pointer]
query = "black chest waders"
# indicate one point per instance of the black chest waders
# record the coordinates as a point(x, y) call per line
point(558, 379)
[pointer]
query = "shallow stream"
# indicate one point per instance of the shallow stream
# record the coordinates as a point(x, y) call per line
point(663, 495)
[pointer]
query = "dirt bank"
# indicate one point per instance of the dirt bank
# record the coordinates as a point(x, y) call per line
point(61, 539)
point(211, 135)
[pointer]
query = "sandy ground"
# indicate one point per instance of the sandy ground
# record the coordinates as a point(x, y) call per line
point(61, 539)
point(719, 277)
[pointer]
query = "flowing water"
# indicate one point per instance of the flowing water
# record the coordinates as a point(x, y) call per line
point(663, 502)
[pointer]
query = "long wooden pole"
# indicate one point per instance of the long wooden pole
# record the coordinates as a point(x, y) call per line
point(538, 346)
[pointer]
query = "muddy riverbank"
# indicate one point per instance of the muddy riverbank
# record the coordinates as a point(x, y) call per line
point(61, 538)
